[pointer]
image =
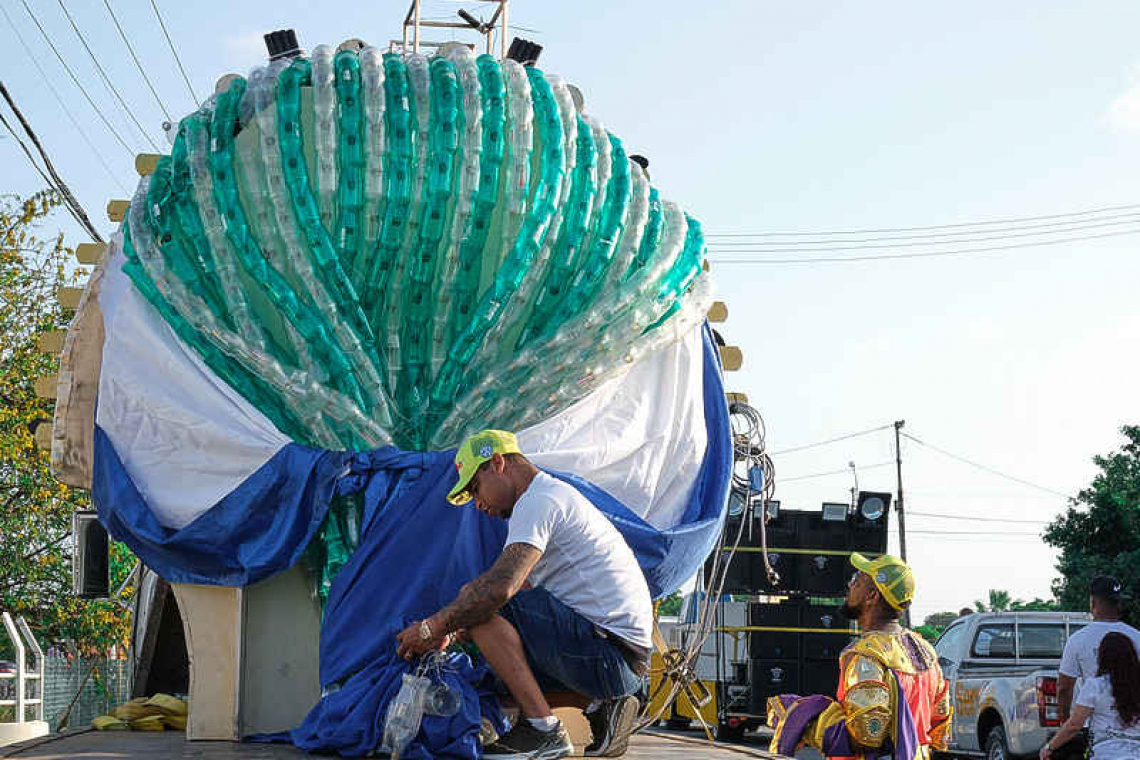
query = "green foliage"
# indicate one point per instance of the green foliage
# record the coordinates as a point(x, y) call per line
point(1099, 534)
point(999, 601)
point(940, 620)
point(1037, 605)
point(35, 509)
point(929, 632)
point(671, 605)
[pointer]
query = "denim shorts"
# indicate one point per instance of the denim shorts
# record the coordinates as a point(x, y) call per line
point(565, 650)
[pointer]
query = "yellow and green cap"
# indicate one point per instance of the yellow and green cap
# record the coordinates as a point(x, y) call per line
point(473, 452)
point(892, 576)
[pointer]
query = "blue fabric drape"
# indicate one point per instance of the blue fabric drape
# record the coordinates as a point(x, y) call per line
point(416, 551)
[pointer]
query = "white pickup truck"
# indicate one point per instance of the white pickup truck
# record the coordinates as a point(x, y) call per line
point(1002, 669)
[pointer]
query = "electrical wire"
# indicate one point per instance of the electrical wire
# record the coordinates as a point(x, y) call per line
point(844, 471)
point(960, 233)
point(106, 79)
point(1132, 219)
point(75, 79)
point(924, 254)
point(135, 58)
point(970, 533)
point(177, 60)
point(984, 468)
point(831, 440)
point(971, 518)
point(1007, 220)
point(63, 104)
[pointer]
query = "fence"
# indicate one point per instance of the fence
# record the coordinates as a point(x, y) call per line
point(107, 687)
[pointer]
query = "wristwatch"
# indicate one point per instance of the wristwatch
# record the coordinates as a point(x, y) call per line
point(425, 631)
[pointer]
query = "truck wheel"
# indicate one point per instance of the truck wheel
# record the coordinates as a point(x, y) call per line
point(996, 746)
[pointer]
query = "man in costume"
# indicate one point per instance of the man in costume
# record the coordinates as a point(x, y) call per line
point(892, 700)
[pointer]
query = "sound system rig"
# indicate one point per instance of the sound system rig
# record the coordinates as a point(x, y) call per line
point(795, 630)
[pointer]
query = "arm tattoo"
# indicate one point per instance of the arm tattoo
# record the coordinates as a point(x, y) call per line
point(482, 597)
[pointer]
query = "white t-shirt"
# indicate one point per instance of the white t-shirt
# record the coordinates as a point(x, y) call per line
point(1111, 740)
point(1079, 658)
point(585, 563)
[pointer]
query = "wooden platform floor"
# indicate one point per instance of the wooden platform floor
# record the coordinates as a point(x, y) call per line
point(125, 745)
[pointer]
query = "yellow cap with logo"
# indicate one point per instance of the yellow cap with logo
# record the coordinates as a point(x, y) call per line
point(473, 452)
point(892, 576)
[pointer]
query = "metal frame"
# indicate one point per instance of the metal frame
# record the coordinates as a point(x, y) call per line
point(19, 633)
point(413, 22)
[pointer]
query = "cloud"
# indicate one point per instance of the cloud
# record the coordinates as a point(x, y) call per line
point(1123, 113)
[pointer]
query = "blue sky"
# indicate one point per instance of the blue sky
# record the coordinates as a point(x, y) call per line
point(810, 116)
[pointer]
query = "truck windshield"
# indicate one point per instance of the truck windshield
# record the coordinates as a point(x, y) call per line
point(1034, 640)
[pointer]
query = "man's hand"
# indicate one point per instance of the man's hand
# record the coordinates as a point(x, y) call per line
point(413, 645)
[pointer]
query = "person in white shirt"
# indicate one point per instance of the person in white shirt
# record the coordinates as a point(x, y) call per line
point(565, 605)
point(1079, 659)
point(1110, 702)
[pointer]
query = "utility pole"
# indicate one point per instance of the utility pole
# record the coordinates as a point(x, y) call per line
point(899, 505)
point(899, 494)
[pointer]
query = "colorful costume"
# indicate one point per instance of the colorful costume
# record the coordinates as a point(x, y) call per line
point(867, 719)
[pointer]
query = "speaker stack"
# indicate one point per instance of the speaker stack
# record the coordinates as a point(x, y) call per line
point(795, 630)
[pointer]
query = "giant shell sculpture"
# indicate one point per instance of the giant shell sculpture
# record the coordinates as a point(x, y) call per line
point(376, 249)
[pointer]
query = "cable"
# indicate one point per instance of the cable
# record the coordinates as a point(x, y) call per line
point(1131, 219)
point(960, 233)
point(1007, 220)
point(844, 471)
point(970, 533)
point(830, 440)
point(63, 104)
point(177, 60)
point(135, 57)
point(106, 79)
point(983, 467)
point(977, 519)
point(75, 79)
point(842, 259)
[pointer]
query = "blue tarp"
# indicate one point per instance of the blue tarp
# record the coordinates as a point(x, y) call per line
point(416, 550)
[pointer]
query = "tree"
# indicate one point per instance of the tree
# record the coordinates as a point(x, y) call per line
point(671, 605)
point(35, 509)
point(999, 601)
point(1037, 605)
point(940, 620)
point(1099, 534)
point(929, 632)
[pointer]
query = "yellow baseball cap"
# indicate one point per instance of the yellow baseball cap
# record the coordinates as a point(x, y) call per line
point(473, 452)
point(892, 576)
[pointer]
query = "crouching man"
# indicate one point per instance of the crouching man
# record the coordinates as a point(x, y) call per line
point(564, 605)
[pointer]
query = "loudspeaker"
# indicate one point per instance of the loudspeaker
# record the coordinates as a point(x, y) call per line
point(823, 574)
point(774, 645)
point(820, 677)
point(784, 565)
point(770, 678)
point(90, 561)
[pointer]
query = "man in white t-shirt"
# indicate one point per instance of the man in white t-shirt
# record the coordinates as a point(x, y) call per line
point(565, 604)
point(1078, 661)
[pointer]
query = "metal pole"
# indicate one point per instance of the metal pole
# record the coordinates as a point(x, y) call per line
point(899, 496)
point(503, 30)
point(416, 29)
point(21, 664)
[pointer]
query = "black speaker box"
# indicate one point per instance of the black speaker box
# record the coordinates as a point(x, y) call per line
point(820, 677)
point(774, 645)
point(785, 614)
point(773, 677)
point(817, 533)
point(823, 574)
point(869, 536)
point(784, 565)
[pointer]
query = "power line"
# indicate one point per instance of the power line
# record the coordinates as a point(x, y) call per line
point(63, 104)
point(977, 519)
point(138, 64)
point(1007, 220)
point(75, 79)
point(924, 254)
point(984, 468)
point(830, 440)
point(958, 233)
point(106, 79)
point(56, 182)
point(835, 472)
point(1131, 219)
point(975, 534)
point(177, 60)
